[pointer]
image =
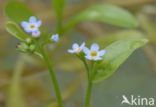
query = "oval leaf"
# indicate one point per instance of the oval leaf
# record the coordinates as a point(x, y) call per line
point(16, 31)
point(109, 14)
point(17, 12)
point(116, 54)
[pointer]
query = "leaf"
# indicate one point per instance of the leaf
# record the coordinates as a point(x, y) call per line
point(17, 11)
point(116, 54)
point(58, 7)
point(108, 14)
point(16, 31)
point(114, 36)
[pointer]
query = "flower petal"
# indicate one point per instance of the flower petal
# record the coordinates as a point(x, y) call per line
point(75, 46)
point(32, 19)
point(24, 24)
point(36, 33)
point(88, 57)
point(55, 37)
point(86, 50)
point(27, 30)
point(82, 45)
point(95, 47)
point(39, 23)
point(102, 52)
point(97, 58)
point(71, 51)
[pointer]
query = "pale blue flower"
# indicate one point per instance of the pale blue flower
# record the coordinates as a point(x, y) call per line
point(94, 53)
point(32, 25)
point(55, 37)
point(76, 48)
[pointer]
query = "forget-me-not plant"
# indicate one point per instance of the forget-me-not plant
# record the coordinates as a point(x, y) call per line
point(32, 26)
point(94, 53)
point(35, 46)
point(76, 48)
point(55, 37)
point(99, 64)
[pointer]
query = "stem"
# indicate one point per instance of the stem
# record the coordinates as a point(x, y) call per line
point(88, 94)
point(86, 66)
point(15, 88)
point(89, 87)
point(53, 77)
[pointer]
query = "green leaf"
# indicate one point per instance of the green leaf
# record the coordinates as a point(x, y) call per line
point(58, 7)
point(109, 14)
point(16, 31)
point(116, 54)
point(17, 12)
point(114, 36)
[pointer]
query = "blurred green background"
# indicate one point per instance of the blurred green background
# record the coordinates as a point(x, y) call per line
point(25, 80)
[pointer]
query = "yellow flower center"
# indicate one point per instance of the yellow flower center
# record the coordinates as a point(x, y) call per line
point(78, 50)
point(93, 53)
point(32, 26)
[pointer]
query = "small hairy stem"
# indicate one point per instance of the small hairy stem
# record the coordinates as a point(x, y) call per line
point(53, 77)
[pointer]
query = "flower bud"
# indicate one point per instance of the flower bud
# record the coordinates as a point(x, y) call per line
point(32, 48)
point(23, 47)
point(28, 40)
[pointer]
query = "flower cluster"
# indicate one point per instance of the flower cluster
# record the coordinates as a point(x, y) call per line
point(91, 54)
point(27, 46)
point(32, 27)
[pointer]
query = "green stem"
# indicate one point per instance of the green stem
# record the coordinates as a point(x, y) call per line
point(88, 94)
point(53, 77)
point(86, 66)
point(89, 87)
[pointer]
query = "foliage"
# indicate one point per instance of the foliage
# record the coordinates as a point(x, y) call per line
point(116, 54)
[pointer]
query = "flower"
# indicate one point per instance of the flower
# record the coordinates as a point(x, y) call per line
point(55, 37)
point(76, 48)
point(32, 26)
point(94, 53)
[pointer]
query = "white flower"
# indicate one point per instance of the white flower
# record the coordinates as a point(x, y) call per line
point(32, 25)
point(55, 37)
point(76, 48)
point(94, 53)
